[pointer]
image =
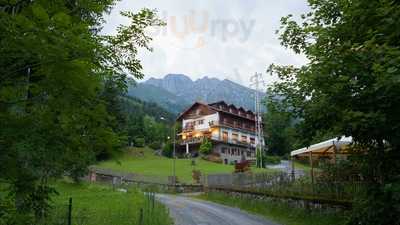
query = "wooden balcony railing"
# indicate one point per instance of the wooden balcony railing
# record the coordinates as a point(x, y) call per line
point(237, 126)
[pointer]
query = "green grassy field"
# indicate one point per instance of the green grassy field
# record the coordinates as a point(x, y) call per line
point(153, 165)
point(101, 205)
point(277, 212)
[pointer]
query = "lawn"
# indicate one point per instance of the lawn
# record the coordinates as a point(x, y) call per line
point(152, 165)
point(101, 205)
point(278, 212)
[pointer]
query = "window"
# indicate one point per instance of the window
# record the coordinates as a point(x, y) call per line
point(248, 154)
point(199, 122)
point(235, 137)
point(244, 138)
point(224, 136)
point(252, 140)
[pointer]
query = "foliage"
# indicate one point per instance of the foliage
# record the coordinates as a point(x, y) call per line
point(138, 142)
point(279, 128)
point(350, 86)
point(272, 160)
point(156, 145)
point(59, 81)
point(281, 213)
point(145, 120)
point(205, 147)
point(168, 150)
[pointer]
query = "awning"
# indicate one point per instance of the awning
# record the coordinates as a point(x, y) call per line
point(326, 147)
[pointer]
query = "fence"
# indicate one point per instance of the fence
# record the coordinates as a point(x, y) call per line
point(147, 183)
point(244, 180)
point(282, 184)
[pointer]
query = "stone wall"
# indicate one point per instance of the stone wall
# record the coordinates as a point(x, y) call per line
point(311, 204)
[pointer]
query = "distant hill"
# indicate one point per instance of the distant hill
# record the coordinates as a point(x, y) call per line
point(160, 96)
point(134, 106)
point(177, 91)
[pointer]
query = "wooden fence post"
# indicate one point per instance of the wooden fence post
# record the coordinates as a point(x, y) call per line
point(312, 171)
point(70, 211)
point(141, 216)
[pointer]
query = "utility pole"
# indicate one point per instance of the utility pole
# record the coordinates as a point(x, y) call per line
point(174, 155)
point(257, 81)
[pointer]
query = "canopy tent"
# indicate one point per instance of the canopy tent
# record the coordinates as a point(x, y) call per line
point(332, 146)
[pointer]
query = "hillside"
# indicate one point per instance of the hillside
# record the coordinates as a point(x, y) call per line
point(160, 167)
point(174, 92)
point(160, 96)
point(135, 106)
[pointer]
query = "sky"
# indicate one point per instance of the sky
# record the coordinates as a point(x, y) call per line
point(225, 39)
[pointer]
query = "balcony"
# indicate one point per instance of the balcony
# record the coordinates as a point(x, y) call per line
point(188, 128)
point(232, 125)
point(195, 140)
point(198, 140)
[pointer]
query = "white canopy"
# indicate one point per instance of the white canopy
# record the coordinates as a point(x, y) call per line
point(325, 146)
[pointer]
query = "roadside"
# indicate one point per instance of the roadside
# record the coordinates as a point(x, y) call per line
point(95, 204)
point(190, 211)
point(277, 212)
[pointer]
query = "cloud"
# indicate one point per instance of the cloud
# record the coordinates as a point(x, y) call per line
point(230, 39)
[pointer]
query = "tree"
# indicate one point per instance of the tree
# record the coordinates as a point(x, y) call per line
point(205, 147)
point(279, 128)
point(350, 86)
point(59, 78)
point(168, 149)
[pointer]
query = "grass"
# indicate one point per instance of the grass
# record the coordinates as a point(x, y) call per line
point(152, 165)
point(278, 212)
point(302, 166)
point(101, 205)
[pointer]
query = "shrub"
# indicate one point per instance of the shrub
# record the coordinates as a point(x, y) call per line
point(168, 150)
point(139, 142)
point(155, 145)
point(272, 160)
point(205, 147)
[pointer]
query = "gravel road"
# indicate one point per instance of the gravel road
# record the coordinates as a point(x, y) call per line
point(188, 211)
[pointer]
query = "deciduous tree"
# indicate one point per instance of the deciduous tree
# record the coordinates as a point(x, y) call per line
point(351, 86)
point(58, 79)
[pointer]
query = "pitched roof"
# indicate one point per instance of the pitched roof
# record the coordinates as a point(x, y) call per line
point(213, 106)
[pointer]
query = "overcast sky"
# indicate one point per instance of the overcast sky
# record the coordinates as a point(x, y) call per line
point(230, 39)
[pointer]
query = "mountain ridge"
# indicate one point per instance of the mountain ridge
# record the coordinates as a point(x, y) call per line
point(175, 92)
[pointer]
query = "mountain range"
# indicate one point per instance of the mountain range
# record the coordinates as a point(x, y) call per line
point(175, 92)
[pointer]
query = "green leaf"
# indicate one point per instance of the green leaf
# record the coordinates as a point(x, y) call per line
point(39, 12)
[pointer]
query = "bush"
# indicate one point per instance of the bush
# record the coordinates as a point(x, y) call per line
point(155, 145)
point(272, 160)
point(205, 147)
point(139, 142)
point(168, 150)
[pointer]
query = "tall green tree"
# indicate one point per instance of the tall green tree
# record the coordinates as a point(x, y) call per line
point(59, 78)
point(279, 128)
point(351, 86)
